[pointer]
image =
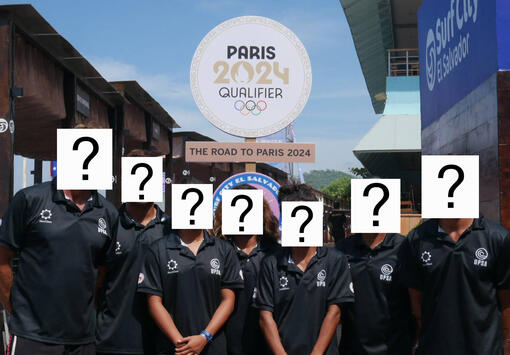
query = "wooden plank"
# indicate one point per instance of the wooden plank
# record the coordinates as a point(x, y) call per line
point(504, 146)
point(6, 113)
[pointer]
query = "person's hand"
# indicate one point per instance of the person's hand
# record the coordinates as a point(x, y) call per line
point(192, 345)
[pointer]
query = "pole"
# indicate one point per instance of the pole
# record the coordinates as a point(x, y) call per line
point(250, 167)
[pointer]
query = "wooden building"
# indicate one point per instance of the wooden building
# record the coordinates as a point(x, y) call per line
point(46, 84)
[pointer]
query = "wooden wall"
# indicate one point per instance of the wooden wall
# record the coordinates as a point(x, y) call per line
point(504, 145)
point(6, 138)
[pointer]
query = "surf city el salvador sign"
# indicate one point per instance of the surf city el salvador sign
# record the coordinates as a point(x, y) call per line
point(458, 51)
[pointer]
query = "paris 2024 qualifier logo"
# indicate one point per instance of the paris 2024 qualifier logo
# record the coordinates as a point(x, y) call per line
point(251, 76)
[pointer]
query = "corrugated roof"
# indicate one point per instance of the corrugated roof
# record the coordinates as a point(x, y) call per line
point(371, 27)
point(392, 133)
point(34, 26)
point(134, 92)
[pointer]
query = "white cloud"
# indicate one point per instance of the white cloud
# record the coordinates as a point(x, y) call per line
point(160, 86)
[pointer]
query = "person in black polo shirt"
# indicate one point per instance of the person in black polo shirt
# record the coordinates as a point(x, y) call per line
point(458, 275)
point(61, 238)
point(300, 292)
point(123, 322)
point(380, 321)
point(337, 222)
point(244, 336)
point(189, 278)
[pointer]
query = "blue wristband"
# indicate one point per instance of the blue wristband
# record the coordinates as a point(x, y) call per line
point(207, 335)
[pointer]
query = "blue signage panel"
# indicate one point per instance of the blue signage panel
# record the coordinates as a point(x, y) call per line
point(458, 51)
point(503, 23)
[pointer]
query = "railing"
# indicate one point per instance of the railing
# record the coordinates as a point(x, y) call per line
point(403, 62)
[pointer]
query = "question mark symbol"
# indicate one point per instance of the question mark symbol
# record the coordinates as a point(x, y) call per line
point(246, 210)
point(305, 222)
point(457, 183)
point(386, 195)
point(95, 150)
point(195, 206)
point(146, 179)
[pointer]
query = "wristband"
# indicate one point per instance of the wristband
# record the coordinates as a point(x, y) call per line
point(207, 335)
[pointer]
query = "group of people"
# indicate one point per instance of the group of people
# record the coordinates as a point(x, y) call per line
point(93, 280)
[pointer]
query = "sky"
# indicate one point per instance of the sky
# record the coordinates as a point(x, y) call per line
point(154, 42)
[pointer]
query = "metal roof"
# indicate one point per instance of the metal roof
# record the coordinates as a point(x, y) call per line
point(29, 22)
point(137, 94)
point(376, 26)
point(392, 133)
point(392, 148)
point(371, 27)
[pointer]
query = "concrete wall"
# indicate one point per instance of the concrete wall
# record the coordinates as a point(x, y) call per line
point(471, 127)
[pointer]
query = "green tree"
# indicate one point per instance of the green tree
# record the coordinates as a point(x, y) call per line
point(319, 179)
point(340, 189)
point(360, 172)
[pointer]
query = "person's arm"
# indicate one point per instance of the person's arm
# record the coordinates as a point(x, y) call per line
point(6, 278)
point(196, 343)
point(504, 302)
point(328, 329)
point(270, 330)
point(163, 319)
point(415, 299)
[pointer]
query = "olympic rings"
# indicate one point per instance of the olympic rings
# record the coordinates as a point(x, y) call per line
point(245, 108)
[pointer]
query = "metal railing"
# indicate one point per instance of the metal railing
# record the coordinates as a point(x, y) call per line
point(403, 62)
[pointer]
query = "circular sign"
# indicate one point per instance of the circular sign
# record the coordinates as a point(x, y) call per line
point(251, 76)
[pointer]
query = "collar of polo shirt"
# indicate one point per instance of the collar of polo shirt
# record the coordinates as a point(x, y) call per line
point(59, 196)
point(128, 222)
point(175, 242)
point(286, 257)
point(478, 223)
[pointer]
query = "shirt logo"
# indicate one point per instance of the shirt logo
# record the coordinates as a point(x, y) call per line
point(45, 216)
point(321, 278)
point(172, 266)
point(284, 283)
point(141, 277)
point(254, 293)
point(481, 255)
point(241, 274)
point(386, 271)
point(215, 267)
point(426, 257)
point(351, 287)
point(101, 226)
point(118, 247)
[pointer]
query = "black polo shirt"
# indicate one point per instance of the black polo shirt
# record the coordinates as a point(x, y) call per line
point(190, 285)
point(380, 320)
point(123, 323)
point(459, 281)
point(299, 300)
point(244, 336)
point(60, 248)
